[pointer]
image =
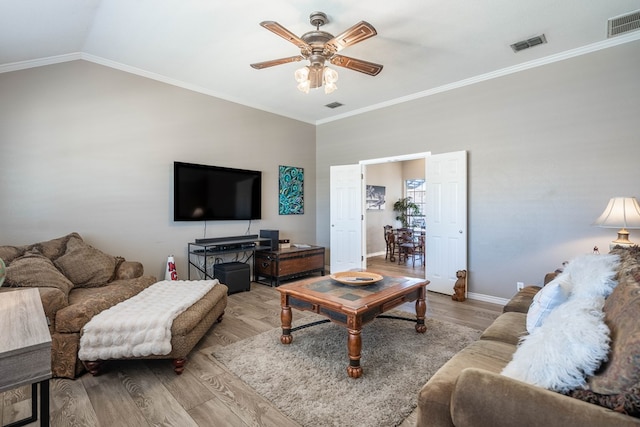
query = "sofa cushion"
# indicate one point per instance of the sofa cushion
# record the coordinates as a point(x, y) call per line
point(84, 303)
point(545, 301)
point(522, 300)
point(622, 311)
point(85, 265)
point(434, 399)
point(508, 327)
point(34, 270)
point(569, 346)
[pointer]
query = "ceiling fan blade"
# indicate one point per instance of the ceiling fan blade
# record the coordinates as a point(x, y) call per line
point(359, 32)
point(281, 31)
point(356, 64)
point(266, 64)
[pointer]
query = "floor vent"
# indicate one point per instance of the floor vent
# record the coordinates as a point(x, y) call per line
point(334, 105)
point(623, 24)
point(526, 44)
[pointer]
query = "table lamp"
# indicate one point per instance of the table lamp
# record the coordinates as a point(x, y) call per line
point(622, 213)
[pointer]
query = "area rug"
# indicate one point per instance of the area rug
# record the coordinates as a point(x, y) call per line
point(307, 379)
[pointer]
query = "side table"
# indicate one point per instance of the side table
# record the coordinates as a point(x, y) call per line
point(25, 349)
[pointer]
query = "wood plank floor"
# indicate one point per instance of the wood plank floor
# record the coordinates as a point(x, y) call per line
point(141, 393)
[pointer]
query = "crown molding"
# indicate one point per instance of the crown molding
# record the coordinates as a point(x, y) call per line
point(594, 47)
point(40, 62)
point(179, 83)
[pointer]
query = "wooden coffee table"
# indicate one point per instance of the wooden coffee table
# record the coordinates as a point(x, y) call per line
point(351, 306)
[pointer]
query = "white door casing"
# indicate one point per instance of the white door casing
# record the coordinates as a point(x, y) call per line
point(446, 219)
point(346, 216)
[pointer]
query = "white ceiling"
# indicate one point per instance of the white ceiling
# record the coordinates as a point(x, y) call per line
point(206, 45)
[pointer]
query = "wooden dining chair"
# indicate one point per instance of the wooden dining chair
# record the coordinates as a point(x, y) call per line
point(404, 243)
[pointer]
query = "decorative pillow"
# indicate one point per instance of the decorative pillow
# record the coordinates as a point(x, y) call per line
point(85, 265)
point(552, 295)
point(593, 275)
point(9, 253)
point(622, 311)
point(36, 271)
point(627, 402)
point(568, 347)
point(54, 248)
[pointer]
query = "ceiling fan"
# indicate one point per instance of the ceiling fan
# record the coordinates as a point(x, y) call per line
point(320, 47)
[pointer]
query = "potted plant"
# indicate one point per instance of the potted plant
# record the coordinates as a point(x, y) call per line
point(405, 208)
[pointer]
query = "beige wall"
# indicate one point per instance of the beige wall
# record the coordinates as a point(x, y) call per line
point(547, 148)
point(90, 149)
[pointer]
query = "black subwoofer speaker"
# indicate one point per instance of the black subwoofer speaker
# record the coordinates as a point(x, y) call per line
point(236, 275)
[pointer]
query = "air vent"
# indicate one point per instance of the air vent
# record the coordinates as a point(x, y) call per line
point(623, 24)
point(334, 105)
point(526, 44)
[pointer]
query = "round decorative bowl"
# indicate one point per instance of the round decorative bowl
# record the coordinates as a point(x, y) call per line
point(356, 278)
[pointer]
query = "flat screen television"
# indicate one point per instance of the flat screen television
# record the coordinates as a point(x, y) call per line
point(216, 193)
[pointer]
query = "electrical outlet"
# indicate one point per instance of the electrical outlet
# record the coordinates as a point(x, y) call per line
point(519, 286)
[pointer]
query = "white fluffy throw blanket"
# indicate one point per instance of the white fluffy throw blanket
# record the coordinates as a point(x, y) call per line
point(141, 325)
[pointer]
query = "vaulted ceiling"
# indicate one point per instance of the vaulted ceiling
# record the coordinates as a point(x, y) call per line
point(426, 46)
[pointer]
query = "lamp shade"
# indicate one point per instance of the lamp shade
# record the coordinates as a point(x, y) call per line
point(621, 212)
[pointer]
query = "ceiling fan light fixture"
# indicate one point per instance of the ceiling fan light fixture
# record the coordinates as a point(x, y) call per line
point(329, 88)
point(320, 47)
point(315, 77)
point(304, 87)
point(302, 77)
point(330, 78)
point(330, 75)
point(302, 74)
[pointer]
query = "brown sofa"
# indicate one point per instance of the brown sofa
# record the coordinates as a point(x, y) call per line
point(469, 389)
point(77, 281)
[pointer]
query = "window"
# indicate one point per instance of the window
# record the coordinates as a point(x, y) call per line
point(416, 189)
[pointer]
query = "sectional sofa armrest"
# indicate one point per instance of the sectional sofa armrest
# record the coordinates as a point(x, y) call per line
point(129, 270)
point(483, 398)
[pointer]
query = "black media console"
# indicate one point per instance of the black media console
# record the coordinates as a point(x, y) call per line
point(204, 254)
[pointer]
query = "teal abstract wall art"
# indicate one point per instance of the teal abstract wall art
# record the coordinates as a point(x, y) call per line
point(291, 194)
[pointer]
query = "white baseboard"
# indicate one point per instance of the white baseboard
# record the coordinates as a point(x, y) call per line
point(487, 298)
point(376, 254)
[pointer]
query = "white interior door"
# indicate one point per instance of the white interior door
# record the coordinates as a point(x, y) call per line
point(446, 219)
point(346, 207)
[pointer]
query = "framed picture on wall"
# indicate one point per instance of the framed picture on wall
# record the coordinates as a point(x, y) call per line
point(291, 190)
point(375, 197)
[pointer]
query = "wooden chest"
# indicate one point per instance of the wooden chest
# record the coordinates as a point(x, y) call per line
point(288, 263)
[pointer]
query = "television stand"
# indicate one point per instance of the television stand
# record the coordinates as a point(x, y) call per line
point(202, 250)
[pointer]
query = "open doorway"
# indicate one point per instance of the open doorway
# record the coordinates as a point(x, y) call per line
point(388, 176)
point(446, 216)
point(388, 184)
